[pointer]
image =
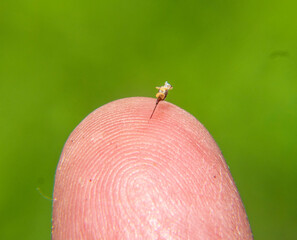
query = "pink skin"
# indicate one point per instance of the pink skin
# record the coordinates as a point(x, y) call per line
point(123, 176)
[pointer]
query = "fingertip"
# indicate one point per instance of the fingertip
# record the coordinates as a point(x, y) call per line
point(162, 177)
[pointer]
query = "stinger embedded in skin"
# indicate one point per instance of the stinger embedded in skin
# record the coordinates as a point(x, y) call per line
point(162, 94)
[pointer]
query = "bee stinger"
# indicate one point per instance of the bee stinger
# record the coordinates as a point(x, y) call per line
point(162, 94)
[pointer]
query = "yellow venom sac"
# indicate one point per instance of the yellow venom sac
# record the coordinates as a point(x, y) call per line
point(160, 95)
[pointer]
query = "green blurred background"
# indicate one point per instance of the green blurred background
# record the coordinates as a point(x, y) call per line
point(233, 65)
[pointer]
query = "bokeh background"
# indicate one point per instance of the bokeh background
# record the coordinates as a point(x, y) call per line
point(233, 65)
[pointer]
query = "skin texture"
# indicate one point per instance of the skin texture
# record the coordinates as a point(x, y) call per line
point(123, 176)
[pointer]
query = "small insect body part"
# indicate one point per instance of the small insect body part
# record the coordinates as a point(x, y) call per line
point(162, 94)
point(155, 107)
